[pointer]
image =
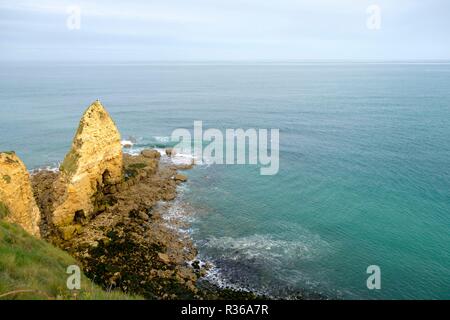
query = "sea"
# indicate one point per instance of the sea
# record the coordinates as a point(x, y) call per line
point(364, 163)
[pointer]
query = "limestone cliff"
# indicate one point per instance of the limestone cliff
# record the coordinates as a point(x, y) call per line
point(17, 204)
point(94, 161)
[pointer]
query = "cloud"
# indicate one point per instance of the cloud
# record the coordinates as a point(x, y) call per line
point(224, 29)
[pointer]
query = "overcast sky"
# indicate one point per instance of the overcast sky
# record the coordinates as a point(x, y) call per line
point(223, 30)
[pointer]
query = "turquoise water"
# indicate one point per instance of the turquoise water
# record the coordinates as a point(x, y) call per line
point(364, 163)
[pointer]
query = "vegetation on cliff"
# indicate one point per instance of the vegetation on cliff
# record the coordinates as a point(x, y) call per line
point(105, 209)
point(4, 211)
point(126, 243)
point(94, 160)
point(34, 269)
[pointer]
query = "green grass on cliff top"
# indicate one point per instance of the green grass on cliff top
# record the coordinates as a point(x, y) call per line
point(27, 263)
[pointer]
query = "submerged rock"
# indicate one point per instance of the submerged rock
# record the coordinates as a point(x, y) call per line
point(94, 162)
point(17, 204)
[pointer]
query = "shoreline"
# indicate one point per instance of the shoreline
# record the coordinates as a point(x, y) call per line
point(203, 277)
point(130, 243)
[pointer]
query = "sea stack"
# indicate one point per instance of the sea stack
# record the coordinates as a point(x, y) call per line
point(94, 161)
point(17, 203)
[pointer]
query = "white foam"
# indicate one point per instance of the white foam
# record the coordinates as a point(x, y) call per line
point(161, 151)
point(177, 159)
point(127, 143)
point(183, 159)
point(215, 276)
point(162, 139)
point(133, 151)
point(51, 168)
point(177, 213)
point(229, 255)
point(266, 247)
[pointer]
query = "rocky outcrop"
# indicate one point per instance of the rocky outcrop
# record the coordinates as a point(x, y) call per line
point(170, 152)
point(128, 244)
point(17, 204)
point(180, 178)
point(94, 162)
point(151, 154)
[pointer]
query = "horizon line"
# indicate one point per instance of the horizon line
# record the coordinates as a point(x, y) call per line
point(268, 61)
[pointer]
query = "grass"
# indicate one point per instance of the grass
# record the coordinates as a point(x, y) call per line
point(33, 269)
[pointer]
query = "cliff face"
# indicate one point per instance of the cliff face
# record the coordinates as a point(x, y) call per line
point(94, 161)
point(17, 204)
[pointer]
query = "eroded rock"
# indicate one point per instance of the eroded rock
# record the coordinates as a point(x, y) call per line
point(151, 154)
point(94, 162)
point(17, 204)
point(180, 178)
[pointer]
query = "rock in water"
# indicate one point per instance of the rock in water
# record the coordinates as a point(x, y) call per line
point(180, 177)
point(17, 204)
point(94, 161)
point(170, 152)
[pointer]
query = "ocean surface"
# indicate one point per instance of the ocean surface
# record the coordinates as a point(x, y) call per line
point(364, 173)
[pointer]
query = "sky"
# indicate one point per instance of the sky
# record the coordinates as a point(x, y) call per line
point(158, 30)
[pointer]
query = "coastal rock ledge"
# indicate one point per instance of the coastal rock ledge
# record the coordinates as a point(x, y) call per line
point(17, 203)
point(94, 162)
point(108, 210)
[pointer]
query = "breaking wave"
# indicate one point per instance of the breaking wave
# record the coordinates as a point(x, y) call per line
point(263, 264)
